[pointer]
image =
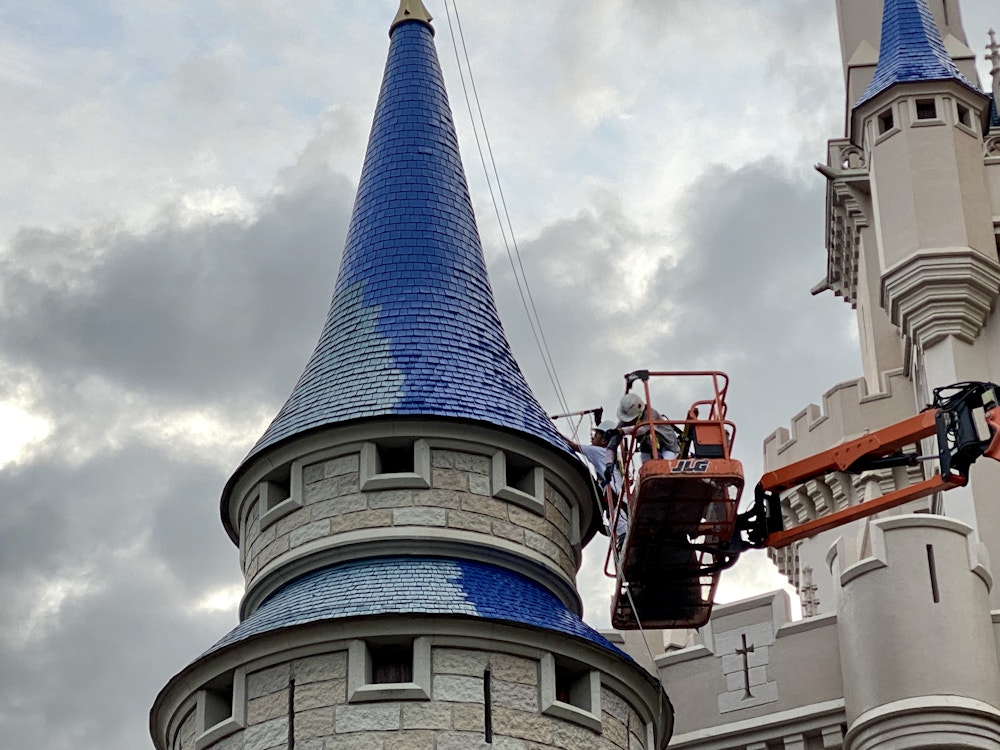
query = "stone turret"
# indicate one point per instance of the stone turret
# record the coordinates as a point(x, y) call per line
point(921, 122)
point(913, 190)
point(410, 524)
point(911, 680)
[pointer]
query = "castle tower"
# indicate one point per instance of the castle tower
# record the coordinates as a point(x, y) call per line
point(410, 524)
point(913, 201)
point(913, 221)
point(897, 649)
point(909, 682)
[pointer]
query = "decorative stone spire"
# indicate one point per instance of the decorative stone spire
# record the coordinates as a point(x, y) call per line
point(413, 329)
point(994, 57)
point(911, 50)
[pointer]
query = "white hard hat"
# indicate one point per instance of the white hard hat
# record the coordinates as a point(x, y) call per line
point(606, 426)
point(630, 407)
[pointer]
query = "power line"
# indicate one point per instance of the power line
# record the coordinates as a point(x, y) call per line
point(520, 278)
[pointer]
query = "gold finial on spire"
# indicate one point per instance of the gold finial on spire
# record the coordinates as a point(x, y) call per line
point(411, 10)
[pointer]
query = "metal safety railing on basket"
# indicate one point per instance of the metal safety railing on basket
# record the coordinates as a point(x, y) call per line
point(689, 429)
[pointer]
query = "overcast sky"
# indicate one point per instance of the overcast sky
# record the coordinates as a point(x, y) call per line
point(176, 185)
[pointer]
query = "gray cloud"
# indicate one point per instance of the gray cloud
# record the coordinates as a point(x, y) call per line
point(99, 566)
point(207, 312)
point(111, 532)
point(731, 292)
point(121, 312)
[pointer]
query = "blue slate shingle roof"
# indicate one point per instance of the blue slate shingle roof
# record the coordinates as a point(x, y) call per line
point(415, 586)
point(413, 328)
point(994, 113)
point(911, 49)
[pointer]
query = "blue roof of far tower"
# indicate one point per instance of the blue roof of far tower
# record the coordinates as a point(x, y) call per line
point(911, 50)
point(413, 328)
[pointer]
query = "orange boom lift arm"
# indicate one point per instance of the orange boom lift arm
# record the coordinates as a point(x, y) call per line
point(965, 422)
point(684, 528)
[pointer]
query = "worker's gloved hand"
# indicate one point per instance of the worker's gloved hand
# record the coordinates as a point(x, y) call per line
point(605, 528)
point(609, 471)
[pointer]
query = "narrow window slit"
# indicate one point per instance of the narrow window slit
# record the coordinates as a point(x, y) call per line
point(291, 713)
point(933, 571)
point(487, 707)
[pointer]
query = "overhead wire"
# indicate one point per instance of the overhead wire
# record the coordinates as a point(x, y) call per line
point(616, 556)
point(520, 277)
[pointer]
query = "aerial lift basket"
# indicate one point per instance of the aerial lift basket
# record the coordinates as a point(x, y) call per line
point(681, 511)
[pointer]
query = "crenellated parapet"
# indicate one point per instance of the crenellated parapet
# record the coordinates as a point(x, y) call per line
point(848, 411)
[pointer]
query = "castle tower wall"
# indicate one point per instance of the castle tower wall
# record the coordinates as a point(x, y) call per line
point(917, 646)
point(411, 523)
point(327, 498)
point(926, 165)
point(881, 349)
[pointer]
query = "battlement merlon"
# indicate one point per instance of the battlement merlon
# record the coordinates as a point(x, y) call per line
point(849, 410)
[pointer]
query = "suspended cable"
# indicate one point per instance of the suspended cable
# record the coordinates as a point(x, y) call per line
point(520, 278)
point(611, 525)
point(503, 200)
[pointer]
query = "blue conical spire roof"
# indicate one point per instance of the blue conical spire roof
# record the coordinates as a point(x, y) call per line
point(413, 329)
point(911, 49)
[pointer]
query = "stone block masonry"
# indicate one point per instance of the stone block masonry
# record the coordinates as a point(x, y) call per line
point(454, 717)
point(459, 499)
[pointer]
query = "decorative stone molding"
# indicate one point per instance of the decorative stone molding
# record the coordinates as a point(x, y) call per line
point(828, 494)
point(848, 195)
point(926, 722)
point(768, 731)
point(745, 654)
point(991, 149)
point(938, 293)
point(787, 561)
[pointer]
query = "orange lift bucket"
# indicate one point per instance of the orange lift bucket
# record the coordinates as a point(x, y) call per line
point(682, 517)
point(670, 565)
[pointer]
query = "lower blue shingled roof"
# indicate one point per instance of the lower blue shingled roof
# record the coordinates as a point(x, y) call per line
point(414, 585)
